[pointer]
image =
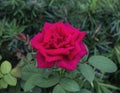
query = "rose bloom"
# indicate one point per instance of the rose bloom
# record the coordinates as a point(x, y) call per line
point(59, 45)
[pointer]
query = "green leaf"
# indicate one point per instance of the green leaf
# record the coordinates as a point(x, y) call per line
point(10, 79)
point(103, 63)
point(29, 56)
point(69, 85)
point(16, 89)
point(87, 72)
point(84, 91)
point(58, 89)
point(105, 90)
point(16, 72)
point(30, 83)
point(117, 52)
point(37, 75)
point(71, 74)
point(98, 89)
point(1, 75)
point(36, 90)
point(5, 67)
point(3, 84)
point(45, 83)
point(47, 73)
point(30, 69)
point(109, 86)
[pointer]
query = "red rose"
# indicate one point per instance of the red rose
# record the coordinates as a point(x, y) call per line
point(59, 44)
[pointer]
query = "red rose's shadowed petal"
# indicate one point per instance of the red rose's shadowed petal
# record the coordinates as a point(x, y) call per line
point(49, 58)
point(75, 51)
point(67, 64)
point(53, 58)
point(63, 44)
point(59, 51)
point(41, 63)
point(71, 64)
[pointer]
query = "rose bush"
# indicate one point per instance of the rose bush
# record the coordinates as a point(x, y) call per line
point(59, 45)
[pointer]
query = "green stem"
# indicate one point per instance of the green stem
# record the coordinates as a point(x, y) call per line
point(109, 86)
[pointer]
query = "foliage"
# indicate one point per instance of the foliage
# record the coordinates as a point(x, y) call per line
point(6, 77)
point(98, 72)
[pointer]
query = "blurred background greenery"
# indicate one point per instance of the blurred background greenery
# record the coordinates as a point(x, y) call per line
point(99, 18)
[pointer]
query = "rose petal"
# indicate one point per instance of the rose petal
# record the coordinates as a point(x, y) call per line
point(46, 26)
point(59, 51)
point(72, 28)
point(53, 58)
point(52, 29)
point(75, 51)
point(71, 64)
point(81, 36)
point(68, 64)
point(36, 40)
point(41, 63)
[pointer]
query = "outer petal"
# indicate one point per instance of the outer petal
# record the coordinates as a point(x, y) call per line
point(36, 43)
point(84, 50)
point(75, 51)
point(41, 63)
point(72, 28)
point(80, 35)
point(71, 64)
point(46, 26)
point(36, 40)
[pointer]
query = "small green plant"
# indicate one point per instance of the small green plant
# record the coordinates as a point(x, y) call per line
point(6, 78)
point(8, 30)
